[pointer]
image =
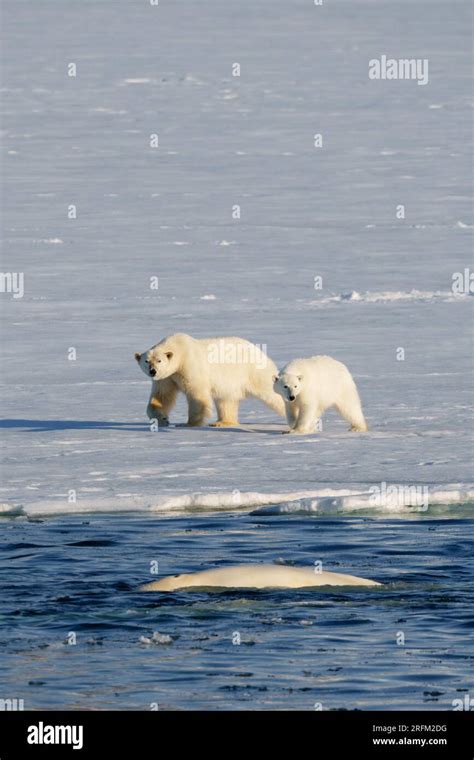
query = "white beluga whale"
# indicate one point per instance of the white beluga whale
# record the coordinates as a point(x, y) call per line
point(256, 576)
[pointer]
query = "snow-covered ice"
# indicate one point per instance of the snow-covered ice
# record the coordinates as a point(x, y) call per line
point(305, 212)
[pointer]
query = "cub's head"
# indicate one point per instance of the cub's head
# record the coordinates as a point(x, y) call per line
point(288, 386)
point(157, 363)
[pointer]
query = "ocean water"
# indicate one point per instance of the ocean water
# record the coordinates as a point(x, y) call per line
point(72, 618)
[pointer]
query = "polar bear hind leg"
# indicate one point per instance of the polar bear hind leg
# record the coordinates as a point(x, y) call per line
point(349, 407)
point(227, 413)
point(199, 409)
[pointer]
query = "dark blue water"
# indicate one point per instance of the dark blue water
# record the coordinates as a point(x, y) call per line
point(77, 576)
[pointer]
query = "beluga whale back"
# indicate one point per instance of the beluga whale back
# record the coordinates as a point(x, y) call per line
point(256, 576)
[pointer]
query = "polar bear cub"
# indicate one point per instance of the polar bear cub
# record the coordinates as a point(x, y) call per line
point(207, 370)
point(310, 386)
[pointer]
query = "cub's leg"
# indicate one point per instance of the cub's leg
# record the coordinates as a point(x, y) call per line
point(307, 418)
point(199, 409)
point(162, 400)
point(351, 410)
point(227, 413)
point(292, 413)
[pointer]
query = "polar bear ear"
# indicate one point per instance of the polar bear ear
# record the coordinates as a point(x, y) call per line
point(137, 356)
point(300, 377)
point(275, 378)
point(169, 354)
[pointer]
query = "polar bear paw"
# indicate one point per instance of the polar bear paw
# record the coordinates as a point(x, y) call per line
point(299, 431)
point(161, 419)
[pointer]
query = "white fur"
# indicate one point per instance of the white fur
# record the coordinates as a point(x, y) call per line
point(219, 370)
point(257, 576)
point(311, 386)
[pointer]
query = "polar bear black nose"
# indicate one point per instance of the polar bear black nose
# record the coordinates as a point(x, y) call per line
point(153, 372)
point(292, 398)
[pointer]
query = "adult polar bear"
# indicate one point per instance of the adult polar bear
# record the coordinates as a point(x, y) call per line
point(223, 370)
point(310, 386)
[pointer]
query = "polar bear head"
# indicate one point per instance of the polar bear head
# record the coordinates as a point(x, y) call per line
point(157, 363)
point(287, 385)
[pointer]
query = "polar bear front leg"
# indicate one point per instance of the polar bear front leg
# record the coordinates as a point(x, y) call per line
point(307, 418)
point(227, 413)
point(162, 399)
point(199, 409)
point(292, 413)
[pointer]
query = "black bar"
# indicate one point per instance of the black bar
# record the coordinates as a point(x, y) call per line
point(433, 734)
